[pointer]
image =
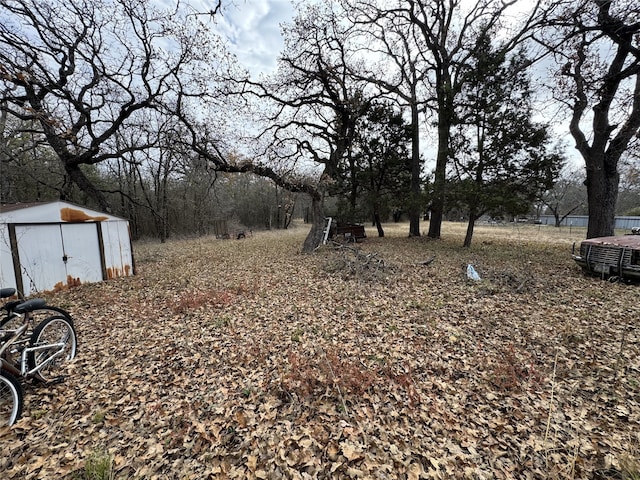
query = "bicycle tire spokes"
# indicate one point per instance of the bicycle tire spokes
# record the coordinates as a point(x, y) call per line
point(53, 342)
point(11, 399)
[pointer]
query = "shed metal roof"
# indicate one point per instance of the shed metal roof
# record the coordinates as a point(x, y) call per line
point(54, 211)
point(10, 207)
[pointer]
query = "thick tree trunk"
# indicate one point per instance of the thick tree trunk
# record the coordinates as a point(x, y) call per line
point(314, 238)
point(437, 204)
point(602, 195)
point(603, 154)
point(80, 179)
point(415, 204)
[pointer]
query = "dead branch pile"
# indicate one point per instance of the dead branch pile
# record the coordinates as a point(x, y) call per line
point(352, 262)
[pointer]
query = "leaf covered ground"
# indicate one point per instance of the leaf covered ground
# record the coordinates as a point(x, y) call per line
point(247, 359)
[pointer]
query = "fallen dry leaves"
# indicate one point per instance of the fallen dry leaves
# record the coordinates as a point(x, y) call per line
point(246, 359)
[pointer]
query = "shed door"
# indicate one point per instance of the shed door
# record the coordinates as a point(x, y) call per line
point(82, 249)
point(57, 255)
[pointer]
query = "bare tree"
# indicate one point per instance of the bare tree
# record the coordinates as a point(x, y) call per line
point(597, 44)
point(143, 179)
point(311, 112)
point(448, 29)
point(398, 70)
point(29, 169)
point(629, 196)
point(81, 69)
point(566, 197)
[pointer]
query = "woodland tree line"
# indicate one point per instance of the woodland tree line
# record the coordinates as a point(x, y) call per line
point(377, 109)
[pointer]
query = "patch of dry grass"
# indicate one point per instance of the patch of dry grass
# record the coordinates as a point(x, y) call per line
point(247, 359)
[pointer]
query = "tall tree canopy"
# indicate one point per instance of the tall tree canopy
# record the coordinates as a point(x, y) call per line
point(396, 65)
point(597, 45)
point(149, 98)
point(501, 157)
point(448, 32)
point(81, 73)
point(315, 103)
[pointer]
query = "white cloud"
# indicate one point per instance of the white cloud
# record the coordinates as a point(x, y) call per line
point(251, 27)
point(253, 30)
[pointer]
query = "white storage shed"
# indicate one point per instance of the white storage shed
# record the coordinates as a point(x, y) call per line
point(49, 246)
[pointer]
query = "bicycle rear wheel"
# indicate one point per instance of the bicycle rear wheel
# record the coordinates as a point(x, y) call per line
point(40, 314)
point(11, 398)
point(56, 329)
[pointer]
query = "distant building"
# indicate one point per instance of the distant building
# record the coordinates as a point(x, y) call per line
point(622, 223)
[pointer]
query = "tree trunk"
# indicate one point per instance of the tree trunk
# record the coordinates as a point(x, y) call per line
point(473, 215)
point(604, 153)
point(288, 214)
point(80, 179)
point(469, 235)
point(602, 194)
point(164, 209)
point(314, 238)
point(376, 218)
point(415, 203)
point(353, 192)
point(437, 204)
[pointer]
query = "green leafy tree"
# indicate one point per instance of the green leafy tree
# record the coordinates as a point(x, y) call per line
point(502, 160)
point(384, 161)
point(400, 72)
point(448, 31)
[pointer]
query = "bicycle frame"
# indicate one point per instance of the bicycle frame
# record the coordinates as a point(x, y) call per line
point(50, 346)
point(15, 339)
point(17, 333)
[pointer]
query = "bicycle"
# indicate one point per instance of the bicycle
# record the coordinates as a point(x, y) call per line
point(43, 310)
point(31, 352)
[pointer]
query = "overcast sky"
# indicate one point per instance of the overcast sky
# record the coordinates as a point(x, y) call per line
point(253, 30)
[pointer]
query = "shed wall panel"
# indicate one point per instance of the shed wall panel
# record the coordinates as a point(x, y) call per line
point(7, 274)
point(58, 255)
point(117, 249)
point(58, 244)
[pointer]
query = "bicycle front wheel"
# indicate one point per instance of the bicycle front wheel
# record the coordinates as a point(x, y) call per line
point(11, 398)
point(49, 361)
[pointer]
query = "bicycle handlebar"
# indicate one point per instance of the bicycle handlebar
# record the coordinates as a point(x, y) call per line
point(7, 292)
